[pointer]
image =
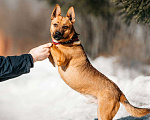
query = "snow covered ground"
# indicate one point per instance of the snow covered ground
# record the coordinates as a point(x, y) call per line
point(42, 94)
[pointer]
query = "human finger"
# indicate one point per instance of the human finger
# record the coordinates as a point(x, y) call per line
point(48, 45)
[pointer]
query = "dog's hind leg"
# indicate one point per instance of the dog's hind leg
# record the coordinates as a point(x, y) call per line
point(107, 108)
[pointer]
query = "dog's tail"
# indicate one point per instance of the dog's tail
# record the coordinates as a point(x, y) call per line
point(134, 111)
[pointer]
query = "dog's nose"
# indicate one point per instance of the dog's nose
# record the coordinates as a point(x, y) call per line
point(57, 33)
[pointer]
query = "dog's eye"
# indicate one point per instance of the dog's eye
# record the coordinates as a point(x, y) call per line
point(65, 27)
point(55, 25)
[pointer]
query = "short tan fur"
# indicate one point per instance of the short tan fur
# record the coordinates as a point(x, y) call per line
point(76, 70)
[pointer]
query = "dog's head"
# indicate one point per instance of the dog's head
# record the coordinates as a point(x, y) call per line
point(62, 28)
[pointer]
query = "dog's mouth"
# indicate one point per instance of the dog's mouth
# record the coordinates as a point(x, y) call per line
point(58, 36)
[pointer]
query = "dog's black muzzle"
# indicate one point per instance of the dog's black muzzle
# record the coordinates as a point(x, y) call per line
point(58, 35)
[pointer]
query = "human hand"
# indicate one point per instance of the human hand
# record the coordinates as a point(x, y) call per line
point(40, 53)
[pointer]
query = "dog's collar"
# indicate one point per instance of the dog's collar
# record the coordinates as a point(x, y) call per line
point(74, 39)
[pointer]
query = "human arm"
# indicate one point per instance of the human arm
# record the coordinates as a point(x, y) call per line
point(14, 66)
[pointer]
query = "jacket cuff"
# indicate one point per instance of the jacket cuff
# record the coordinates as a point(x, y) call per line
point(29, 61)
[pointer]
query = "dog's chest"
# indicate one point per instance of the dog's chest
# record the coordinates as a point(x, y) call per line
point(72, 73)
point(70, 76)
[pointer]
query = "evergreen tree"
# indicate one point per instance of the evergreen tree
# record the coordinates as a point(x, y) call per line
point(94, 7)
point(138, 10)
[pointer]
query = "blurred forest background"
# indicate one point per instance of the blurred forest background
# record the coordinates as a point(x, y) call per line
point(106, 27)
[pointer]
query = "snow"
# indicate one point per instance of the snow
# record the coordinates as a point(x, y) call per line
point(43, 95)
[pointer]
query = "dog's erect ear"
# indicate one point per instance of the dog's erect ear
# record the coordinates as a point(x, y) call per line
point(56, 12)
point(71, 14)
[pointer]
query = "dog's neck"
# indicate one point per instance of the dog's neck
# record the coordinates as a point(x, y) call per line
point(72, 40)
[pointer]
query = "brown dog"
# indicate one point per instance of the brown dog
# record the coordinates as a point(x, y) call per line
point(76, 70)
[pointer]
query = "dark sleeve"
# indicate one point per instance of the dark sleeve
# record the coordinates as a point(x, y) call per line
point(14, 66)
